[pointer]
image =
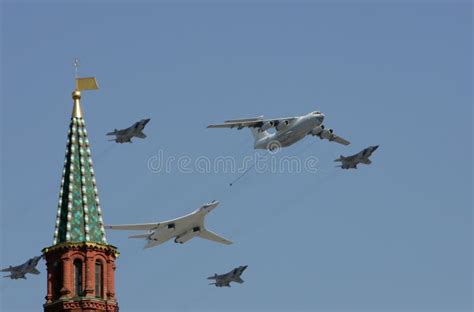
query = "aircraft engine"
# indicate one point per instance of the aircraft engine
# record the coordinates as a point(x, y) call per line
point(183, 238)
point(327, 134)
point(267, 125)
point(317, 130)
point(282, 125)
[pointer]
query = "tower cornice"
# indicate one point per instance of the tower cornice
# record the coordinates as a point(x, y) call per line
point(82, 246)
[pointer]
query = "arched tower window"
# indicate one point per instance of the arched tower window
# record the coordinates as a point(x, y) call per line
point(77, 277)
point(57, 277)
point(99, 279)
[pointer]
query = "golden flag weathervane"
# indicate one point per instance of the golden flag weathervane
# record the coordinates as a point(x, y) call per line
point(87, 83)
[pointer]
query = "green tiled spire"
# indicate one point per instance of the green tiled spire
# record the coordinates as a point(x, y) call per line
point(79, 217)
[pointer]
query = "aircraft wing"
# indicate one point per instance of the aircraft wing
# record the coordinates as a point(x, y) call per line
point(366, 161)
point(329, 134)
point(144, 226)
point(140, 135)
point(256, 122)
point(206, 234)
point(134, 227)
point(34, 271)
point(340, 140)
point(238, 280)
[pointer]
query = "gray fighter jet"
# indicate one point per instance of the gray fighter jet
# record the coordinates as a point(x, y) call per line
point(21, 270)
point(351, 162)
point(126, 135)
point(225, 279)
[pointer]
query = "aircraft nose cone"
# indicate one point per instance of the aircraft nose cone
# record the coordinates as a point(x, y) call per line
point(321, 117)
point(375, 147)
point(145, 121)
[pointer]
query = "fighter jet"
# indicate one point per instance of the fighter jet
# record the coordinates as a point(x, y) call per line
point(21, 270)
point(287, 130)
point(181, 229)
point(351, 162)
point(126, 135)
point(225, 279)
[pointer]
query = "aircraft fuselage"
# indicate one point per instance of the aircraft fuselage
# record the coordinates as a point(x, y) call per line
point(291, 133)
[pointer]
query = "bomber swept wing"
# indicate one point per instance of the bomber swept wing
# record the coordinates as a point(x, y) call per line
point(206, 234)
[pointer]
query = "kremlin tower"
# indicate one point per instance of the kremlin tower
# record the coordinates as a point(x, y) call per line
point(80, 263)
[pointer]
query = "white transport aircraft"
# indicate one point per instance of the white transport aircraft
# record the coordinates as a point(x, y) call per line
point(287, 130)
point(181, 229)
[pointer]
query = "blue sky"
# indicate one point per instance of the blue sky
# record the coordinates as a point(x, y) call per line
point(393, 236)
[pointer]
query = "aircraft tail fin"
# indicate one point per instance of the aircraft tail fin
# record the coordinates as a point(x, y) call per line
point(213, 277)
point(113, 132)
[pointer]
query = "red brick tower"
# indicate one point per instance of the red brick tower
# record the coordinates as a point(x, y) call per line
point(80, 263)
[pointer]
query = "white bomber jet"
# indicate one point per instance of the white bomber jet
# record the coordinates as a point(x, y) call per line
point(21, 270)
point(287, 130)
point(181, 229)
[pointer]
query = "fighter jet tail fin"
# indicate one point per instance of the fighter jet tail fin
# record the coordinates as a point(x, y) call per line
point(213, 277)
